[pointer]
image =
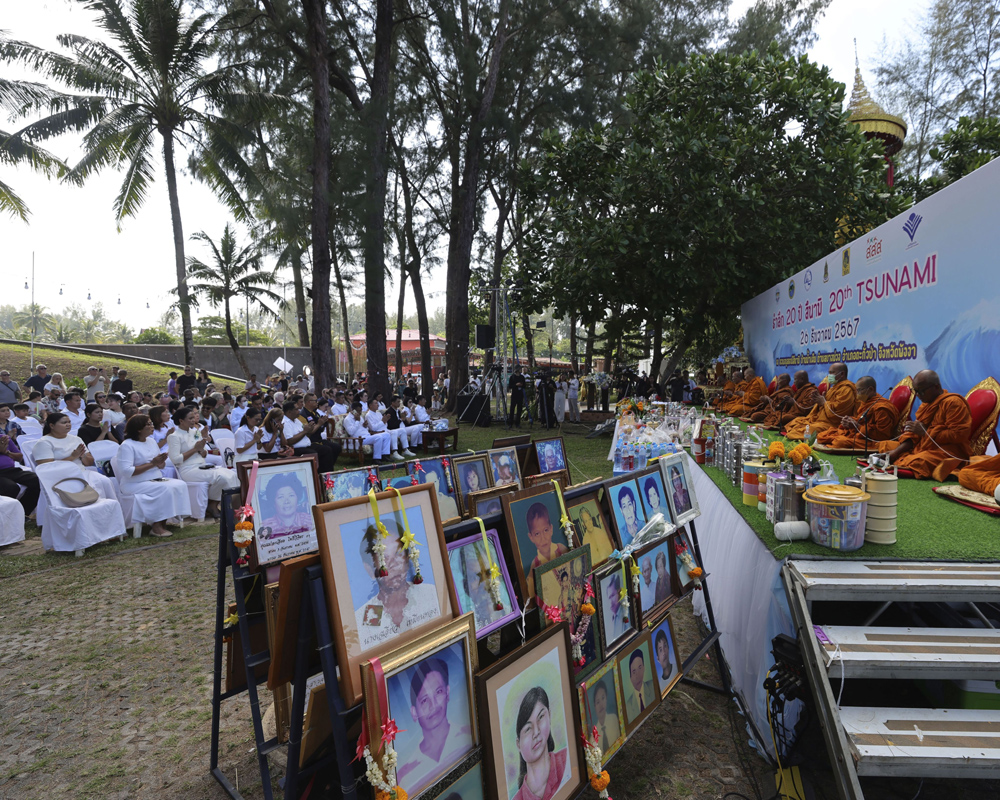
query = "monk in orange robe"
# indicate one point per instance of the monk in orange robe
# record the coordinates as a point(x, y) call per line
point(803, 398)
point(876, 422)
point(726, 395)
point(841, 401)
point(747, 397)
point(982, 475)
point(782, 394)
point(937, 442)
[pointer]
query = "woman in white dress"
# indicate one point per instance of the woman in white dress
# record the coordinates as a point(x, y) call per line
point(186, 447)
point(58, 444)
point(560, 399)
point(248, 436)
point(157, 498)
point(272, 441)
point(162, 426)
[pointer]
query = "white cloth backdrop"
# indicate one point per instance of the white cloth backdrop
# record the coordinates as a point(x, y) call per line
point(748, 599)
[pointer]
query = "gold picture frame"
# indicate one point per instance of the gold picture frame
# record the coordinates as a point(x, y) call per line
point(464, 467)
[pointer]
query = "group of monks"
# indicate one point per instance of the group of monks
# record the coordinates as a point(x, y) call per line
point(853, 416)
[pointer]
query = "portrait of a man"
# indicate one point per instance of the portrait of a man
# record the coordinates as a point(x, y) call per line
point(435, 692)
point(628, 511)
point(550, 455)
point(638, 686)
point(614, 608)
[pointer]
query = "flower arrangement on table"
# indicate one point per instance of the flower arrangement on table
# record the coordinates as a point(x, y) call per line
point(599, 379)
point(800, 453)
point(633, 407)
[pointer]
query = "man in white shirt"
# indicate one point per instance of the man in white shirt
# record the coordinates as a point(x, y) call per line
point(375, 422)
point(74, 411)
point(414, 432)
point(419, 409)
point(354, 426)
point(340, 406)
point(573, 395)
point(95, 381)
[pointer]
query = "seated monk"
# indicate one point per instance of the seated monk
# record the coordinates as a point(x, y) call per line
point(937, 442)
point(875, 422)
point(726, 395)
point(982, 475)
point(841, 401)
point(801, 400)
point(767, 403)
point(746, 398)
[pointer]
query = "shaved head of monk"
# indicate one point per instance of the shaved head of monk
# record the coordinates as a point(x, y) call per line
point(839, 371)
point(866, 387)
point(783, 380)
point(749, 374)
point(927, 386)
point(801, 378)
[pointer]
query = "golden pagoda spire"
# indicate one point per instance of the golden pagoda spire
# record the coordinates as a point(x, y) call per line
point(868, 115)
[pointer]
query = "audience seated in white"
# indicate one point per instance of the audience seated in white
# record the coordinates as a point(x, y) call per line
point(58, 444)
point(248, 435)
point(75, 529)
point(186, 446)
point(11, 521)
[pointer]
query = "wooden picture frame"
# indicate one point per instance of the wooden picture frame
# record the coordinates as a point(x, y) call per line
point(511, 441)
point(345, 484)
point(659, 595)
point(652, 495)
point(516, 508)
point(504, 468)
point(618, 624)
point(439, 471)
point(291, 576)
point(468, 785)
point(610, 727)
point(680, 490)
point(538, 673)
point(551, 455)
point(680, 543)
point(591, 526)
point(488, 502)
point(282, 692)
point(270, 542)
point(627, 660)
point(626, 524)
point(465, 467)
point(364, 626)
point(666, 655)
point(476, 599)
point(444, 658)
point(561, 476)
point(560, 583)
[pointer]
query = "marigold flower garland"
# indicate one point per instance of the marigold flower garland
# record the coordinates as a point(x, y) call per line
point(599, 778)
point(776, 451)
point(693, 570)
point(800, 453)
point(243, 534)
point(576, 635)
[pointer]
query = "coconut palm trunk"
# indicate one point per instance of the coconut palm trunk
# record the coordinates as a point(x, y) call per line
point(180, 263)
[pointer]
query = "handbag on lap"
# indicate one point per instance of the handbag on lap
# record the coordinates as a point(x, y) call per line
point(86, 496)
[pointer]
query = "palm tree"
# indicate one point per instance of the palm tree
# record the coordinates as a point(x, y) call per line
point(90, 331)
point(151, 84)
point(233, 273)
point(35, 317)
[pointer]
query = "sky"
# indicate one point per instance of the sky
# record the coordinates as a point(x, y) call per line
point(72, 235)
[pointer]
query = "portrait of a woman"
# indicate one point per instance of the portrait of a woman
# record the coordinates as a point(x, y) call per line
point(285, 506)
point(542, 767)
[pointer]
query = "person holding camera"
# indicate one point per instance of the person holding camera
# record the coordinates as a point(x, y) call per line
point(95, 381)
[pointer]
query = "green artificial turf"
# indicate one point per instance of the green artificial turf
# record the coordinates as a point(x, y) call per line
point(929, 527)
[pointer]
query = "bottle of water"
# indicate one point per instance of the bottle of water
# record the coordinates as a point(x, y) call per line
point(618, 455)
point(643, 455)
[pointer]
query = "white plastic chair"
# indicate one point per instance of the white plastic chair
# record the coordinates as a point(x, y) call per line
point(198, 494)
point(11, 521)
point(75, 529)
point(127, 501)
point(223, 438)
point(103, 450)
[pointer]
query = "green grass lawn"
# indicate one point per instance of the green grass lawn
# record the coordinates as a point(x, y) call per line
point(73, 366)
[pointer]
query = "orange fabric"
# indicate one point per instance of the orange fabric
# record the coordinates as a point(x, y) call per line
point(841, 401)
point(982, 475)
point(752, 392)
point(735, 399)
point(765, 407)
point(880, 419)
point(721, 398)
point(800, 401)
point(949, 423)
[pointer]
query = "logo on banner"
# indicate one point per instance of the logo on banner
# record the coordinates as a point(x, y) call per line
point(873, 250)
point(791, 289)
point(846, 268)
point(826, 272)
point(808, 280)
point(910, 228)
point(777, 295)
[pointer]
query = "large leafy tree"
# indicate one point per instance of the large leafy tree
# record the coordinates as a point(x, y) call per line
point(234, 272)
point(158, 83)
point(733, 172)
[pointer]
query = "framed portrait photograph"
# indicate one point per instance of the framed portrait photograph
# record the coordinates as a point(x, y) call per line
point(530, 722)
point(488, 501)
point(283, 498)
point(667, 656)
point(561, 476)
point(348, 483)
point(656, 588)
point(615, 609)
point(601, 708)
point(504, 467)
point(467, 786)
point(512, 441)
point(372, 614)
point(653, 495)
point(591, 527)
point(551, 454)
point(438, 471)
point(470, 570)
point(561, 583)
point(626, 509)
point(680, 493)
point(472, 474)
point(640, 693)
point(429, 689)
point(684, 561)
point(536, 536)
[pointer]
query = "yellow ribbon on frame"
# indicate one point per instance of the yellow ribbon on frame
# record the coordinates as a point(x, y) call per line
point(494, 569)
point(564, 520)
point(379, 526)
point(407, 538)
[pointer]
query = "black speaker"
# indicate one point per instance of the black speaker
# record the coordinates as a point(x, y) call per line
point(473, 408)
point(486, 337)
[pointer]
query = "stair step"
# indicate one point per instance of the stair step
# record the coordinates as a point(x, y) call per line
point(899, 580)
point(971, 653)
point(924, 742)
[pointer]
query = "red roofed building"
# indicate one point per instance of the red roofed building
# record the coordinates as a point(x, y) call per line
point(410, 347)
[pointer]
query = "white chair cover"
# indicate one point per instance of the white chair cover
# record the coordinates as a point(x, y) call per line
point(11, 521)
point(198, 495)
point(75, 529)
point(103, 450)
point(223, 438)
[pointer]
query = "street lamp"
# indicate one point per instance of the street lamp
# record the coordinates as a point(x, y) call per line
point(33, 315)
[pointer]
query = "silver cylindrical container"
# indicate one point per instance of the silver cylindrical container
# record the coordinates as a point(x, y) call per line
point(785, 501)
